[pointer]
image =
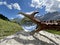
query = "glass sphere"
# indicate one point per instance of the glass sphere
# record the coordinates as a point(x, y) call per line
point(28, 25)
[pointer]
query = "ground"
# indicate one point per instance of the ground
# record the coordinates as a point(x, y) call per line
point(24, 38)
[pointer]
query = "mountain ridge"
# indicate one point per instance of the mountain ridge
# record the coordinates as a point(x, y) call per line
point(50, 16)
point(3, 17)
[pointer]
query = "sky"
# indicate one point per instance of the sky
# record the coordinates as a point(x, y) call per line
point(10, 8)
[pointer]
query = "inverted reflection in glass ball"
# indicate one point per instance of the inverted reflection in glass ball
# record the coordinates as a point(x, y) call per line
point(28, 25)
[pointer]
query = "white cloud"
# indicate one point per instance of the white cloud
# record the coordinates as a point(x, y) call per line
point(11, 6)
point(16, 6)
point(11, 18)
point(50, 5)
point(20, 16)
point(58, 0)
point(3, 3)
point(29, 12)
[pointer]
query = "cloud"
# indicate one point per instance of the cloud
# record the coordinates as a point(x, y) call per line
point(19, 15)
point(50, 5)
point(11, 6)
point(11, 18)
point(29, 12)
point(58, 0)
point(16, 6)
point(3, 3)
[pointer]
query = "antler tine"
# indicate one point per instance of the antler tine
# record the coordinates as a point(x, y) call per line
point(33, 14)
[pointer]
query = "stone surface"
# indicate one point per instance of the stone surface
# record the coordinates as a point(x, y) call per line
point(24, 38)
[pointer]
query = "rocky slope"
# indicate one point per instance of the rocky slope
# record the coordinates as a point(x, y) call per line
point(24, 38)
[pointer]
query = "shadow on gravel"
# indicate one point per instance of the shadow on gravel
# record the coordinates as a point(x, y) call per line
point(35, 41)
point(48, 38)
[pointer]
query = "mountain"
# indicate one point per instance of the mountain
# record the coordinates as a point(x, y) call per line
point(16, 20)
point(3, 17)
point(50, 16)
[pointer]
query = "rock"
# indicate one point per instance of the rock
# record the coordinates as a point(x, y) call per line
point(24, 38)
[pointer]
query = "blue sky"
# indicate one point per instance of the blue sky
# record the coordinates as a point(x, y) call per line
point(10, 8)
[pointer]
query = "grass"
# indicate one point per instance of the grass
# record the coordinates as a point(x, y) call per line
point(8, 28)
point(54, 32)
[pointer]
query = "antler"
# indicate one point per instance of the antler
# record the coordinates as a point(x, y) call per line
point(31, 16)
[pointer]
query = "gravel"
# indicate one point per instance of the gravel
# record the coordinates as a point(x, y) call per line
point(24, 38)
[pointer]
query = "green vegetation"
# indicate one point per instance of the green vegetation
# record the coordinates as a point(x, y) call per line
point(54, 31)
point(3, 17)
point(8, 28)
